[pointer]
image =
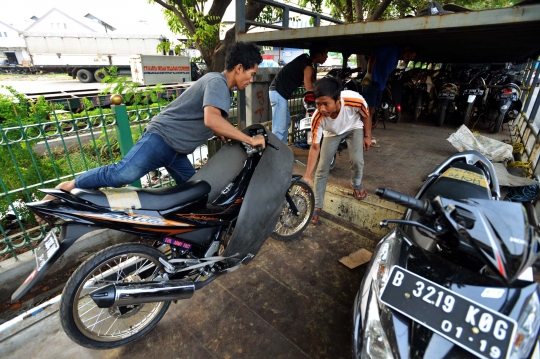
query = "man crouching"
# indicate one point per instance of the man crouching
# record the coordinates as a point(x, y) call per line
point(339, 115)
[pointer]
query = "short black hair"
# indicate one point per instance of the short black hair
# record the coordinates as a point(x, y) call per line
point(244, 53)
point(327, 86)
point(317, 48)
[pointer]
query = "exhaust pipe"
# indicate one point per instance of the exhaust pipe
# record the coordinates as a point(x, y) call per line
point(123, 294)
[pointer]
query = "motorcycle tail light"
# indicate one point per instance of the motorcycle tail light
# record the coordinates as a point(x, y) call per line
point(507, 90)
point(398, 108)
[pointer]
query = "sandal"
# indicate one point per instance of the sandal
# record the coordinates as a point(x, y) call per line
point(357, 194)
point(316, 214)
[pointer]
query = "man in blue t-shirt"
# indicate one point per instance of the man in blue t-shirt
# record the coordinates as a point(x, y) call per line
point(186, 123)
point(288, 79)
point(381, 63)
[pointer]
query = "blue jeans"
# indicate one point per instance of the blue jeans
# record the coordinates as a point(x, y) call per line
point(281, 117)
point(149, 153)
point(372, 94)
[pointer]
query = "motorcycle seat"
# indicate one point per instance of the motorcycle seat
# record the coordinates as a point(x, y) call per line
point(457, 189)
point(155, 199)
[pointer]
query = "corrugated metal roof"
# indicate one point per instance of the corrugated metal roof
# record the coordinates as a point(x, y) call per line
point(497, 35)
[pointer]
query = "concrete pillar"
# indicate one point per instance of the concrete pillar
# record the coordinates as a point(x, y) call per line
point(258, 108)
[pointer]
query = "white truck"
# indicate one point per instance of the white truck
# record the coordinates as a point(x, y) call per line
point(83, 55)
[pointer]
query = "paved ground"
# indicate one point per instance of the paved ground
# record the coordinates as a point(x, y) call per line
point(294, 300)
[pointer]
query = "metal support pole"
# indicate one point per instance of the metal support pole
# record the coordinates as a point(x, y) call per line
point(241, 28)
point(123, 133)
point(285, 22)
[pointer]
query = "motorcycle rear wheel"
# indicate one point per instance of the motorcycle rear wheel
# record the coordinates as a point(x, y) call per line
point(106, 328)
point(468, 115)
point(441, 116)
point(290, 226)
point(417, 108)
point(498, 123)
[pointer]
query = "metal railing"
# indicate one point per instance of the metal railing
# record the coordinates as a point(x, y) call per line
point(58, 148)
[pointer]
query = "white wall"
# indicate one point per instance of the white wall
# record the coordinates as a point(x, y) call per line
point(10, 38)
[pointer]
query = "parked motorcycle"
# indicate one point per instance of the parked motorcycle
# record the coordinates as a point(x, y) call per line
point(448, 97)
point(475, 95)
point(454, 279)
point(199, 230)
point(505, 103)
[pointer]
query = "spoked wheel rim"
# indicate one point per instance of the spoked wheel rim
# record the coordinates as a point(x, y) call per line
point(288, 223)
point(115, 323)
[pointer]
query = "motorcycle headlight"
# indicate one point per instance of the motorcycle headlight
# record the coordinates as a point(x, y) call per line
point(528, 325)
point(504, 107)
point(385, 256)
point(375, 344)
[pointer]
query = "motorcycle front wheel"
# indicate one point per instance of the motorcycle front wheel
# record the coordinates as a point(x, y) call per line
point(106, 328)
point(290, 225)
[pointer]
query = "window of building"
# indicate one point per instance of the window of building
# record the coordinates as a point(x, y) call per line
point(65, 26)
point(0, 34)
point(5, 34)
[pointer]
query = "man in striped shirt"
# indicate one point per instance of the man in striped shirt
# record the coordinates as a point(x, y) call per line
point(339, 115)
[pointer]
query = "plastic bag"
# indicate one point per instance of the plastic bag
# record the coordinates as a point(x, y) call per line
point(464, 140)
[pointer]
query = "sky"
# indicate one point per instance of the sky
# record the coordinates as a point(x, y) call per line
point(127, 16)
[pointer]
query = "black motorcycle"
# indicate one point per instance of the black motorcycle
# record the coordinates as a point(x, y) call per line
point(504, 104)
point(475, 95)
point(448, 97)
point(454, 279)
point(196, 232)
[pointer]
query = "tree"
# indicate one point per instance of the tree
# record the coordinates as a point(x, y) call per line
point(201, 27)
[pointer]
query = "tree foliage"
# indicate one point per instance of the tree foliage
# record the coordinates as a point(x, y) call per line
point(391, 9)
point(200, 23)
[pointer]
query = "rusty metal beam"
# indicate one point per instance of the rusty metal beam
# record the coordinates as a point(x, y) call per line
point(496, 35)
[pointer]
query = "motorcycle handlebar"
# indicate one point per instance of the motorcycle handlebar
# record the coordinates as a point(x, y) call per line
point(423, 207)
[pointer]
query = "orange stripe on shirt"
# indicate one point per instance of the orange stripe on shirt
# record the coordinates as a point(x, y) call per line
point(357, 103)
point(315, 123)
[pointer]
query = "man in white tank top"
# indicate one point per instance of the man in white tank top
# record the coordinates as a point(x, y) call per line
point(339, 115)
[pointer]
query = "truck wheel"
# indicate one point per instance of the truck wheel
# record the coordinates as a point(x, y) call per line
point(85, 76)
point(100, 75)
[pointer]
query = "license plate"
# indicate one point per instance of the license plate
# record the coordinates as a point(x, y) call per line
point(46, 249)
point(305, 123)
point(471, 98)
point(506, 95)
point(479, 330)
point(477, 92)
point(448, 95)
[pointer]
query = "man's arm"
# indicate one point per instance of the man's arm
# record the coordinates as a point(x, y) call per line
point(314, 151)
point(221, 127)
point(371, 63)
point(308, 78)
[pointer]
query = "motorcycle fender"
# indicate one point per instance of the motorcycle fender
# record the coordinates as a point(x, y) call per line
point(68, 236)
point(263, 201)
point(506, 103)
point(295, 178)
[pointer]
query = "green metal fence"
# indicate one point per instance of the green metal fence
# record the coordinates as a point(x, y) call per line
point(48, 145)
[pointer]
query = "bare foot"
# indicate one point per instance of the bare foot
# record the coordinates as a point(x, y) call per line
point(67, 186)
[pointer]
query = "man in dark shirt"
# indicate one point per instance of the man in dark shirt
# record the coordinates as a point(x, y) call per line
point(288, 79)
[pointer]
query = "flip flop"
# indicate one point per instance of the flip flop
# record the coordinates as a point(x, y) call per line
point(357, 194)
point(316, 214)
